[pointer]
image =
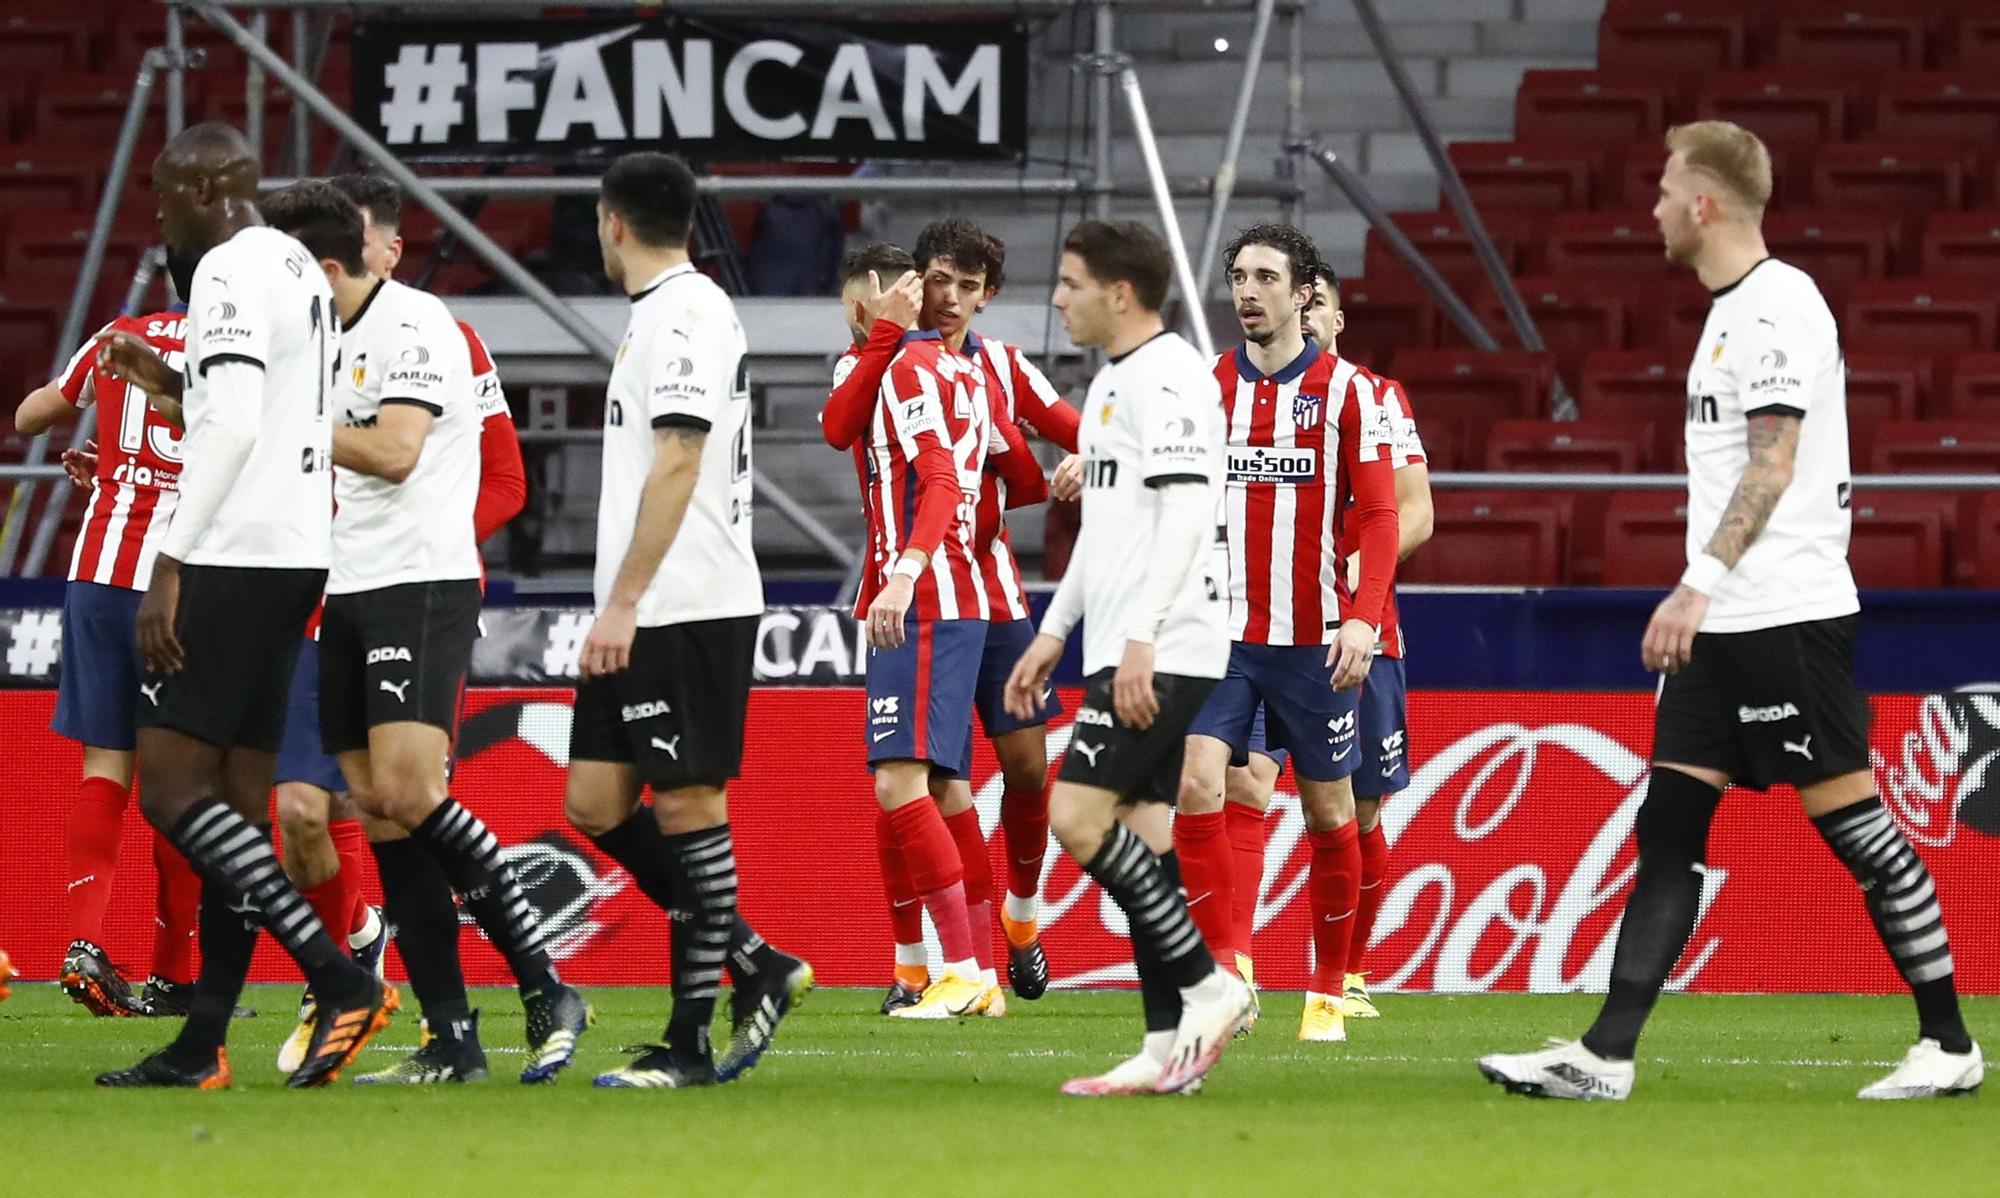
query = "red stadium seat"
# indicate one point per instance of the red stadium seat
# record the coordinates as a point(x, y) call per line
point(1666, 315)
point(1883, 386)
point(1856, 37)
point(1499, 538)
point(41, 39)
point(44, 177)
point(1385, 317)
point(1984, 539)
point(88, 110)
point(51, 245)
point(1637, 387)
point(1632, 177)
point(1443, 240)
point(1921, 315)
point(1591, 108)
point(1645, 538)
point(1898, 541)
point(1678, 37)
point(1936, 447)
point(1905, 178)
point(31, 313)
point(1569, 446)
point(1574, 313)
point(1793, 111)
point(1972, 40)
point(1609, 245)
point(1973, 392)
point(1472, 389)
point(1837, 249)
point(1516, 174)
point(1962, 243)
point(1953, 107)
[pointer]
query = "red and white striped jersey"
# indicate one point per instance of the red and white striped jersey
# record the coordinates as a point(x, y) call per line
point(919, 469)
point(137, 484)
point(1019, 392)
point(1293, 442)
point(1406, 448)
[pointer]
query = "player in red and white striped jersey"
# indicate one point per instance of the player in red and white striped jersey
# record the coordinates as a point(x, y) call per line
point(918, 461)
point(134, 484)
point(1306, 436)
point(1383, 751)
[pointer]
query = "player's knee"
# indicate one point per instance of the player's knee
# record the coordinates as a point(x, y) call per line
point(302, 814)
point(405, 795)
point(1245, 789)
point(1327, 805)
point(1673, 821)
point(1200, 794)
point(1078, 826)
point(588, 814)
point(1367, 814)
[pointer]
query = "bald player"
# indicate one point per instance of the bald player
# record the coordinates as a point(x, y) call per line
point(236, 578)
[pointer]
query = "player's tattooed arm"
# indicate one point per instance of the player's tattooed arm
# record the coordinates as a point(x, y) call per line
point(1774, 445)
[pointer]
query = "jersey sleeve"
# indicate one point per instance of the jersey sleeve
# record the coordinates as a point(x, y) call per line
point(687, 377)
point(1365, 437)
point(1037, 402)
point(1775, 363)
point(857, 378)
point(418, 372)
point(234, 321)
point(503, 479)
point(1406, 448)
point(1176, 423)
point(916, 421)
point(75, 380)
point(486, 388)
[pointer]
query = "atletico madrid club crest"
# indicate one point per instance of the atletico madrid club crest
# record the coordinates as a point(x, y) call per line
point(1308, 409)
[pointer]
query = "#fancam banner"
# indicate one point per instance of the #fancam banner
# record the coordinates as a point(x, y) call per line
point(1511, 852)
point(583, 91)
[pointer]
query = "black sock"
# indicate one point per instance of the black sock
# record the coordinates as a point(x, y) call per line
point(418, 903)
point(706, 864)
point(228, 938)
point(1160, 998)
point(227, 849)
point(1903, 903)
point(470, 855)
point(1156, 911)
point(645, 852)
point(1672, 831)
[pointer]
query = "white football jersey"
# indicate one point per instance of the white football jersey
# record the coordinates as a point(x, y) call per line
point(682, 364)
point(1771, 345)
point(403, 347)
point(261, 298)
point(1151, 416)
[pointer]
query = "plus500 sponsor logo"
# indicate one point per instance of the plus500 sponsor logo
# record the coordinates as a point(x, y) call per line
point(1259, 464)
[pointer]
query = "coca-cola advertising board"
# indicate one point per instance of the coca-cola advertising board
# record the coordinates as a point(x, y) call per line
point(1511, 852)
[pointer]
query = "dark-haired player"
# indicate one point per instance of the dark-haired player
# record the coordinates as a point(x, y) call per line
point(1154, 642)
point(235, 579)
point(667, 666)
point(1307, 436)
point(402, 600)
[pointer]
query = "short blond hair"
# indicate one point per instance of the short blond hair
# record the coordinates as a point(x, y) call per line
point(1731, 155)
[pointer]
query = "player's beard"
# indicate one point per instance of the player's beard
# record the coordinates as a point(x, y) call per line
point(181, 264)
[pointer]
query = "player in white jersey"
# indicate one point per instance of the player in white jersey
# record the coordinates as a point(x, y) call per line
point(402, 600)
point(1756, 644)
point(1154, 640)
point(666, 670)
point(237, 576)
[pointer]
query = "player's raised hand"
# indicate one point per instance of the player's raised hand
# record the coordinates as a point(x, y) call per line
point(159, 648)
point(129, 359)
point(1669, 639)
point(1030, 677)
point(885, 614)
point(1067, 482)
point(1351, 654)
point(1132, 697)
point(608, 648)
point(899, 303)
point(80, 465)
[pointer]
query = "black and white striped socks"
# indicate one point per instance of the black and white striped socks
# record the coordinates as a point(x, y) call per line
point(234, 854)
point(470, 855)
point(1156, 911)
point(701, 940)
point(1903, 903)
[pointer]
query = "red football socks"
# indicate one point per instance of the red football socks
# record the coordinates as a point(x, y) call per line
point(95, 820)
point(978, 863)
point(1374, 871)
point(937, 875)
point(179, 911)
point(1246, 852)
point(1024, 824)
point(1202, 843)
point(1334, 888)
point(350, 844)
point(906, 914)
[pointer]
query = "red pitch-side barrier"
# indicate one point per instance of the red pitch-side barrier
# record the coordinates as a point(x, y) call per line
point(1511, 854)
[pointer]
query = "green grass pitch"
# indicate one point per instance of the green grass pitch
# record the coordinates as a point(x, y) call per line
point(1747, 1096)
